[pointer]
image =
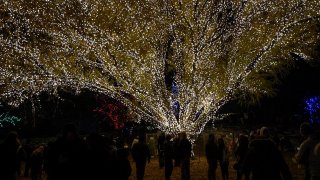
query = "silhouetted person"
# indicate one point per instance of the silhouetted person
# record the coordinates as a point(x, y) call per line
point(307, 155)
point(176, 156)
point(240, 153)
point(123, 165)
point(212, 156)
point(168, 157)
point(11, 155)
point(223, 158)
point(97, 157)
point(46, 161)
point(28, 149)
point(160, 148)
point(286, 145)
point(264, 160)
point(140, 154)
point(112, 156)
point(36, 162)
point(66, 156)
point(185, 155)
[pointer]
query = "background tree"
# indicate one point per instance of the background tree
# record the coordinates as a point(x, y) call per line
point(174, 63)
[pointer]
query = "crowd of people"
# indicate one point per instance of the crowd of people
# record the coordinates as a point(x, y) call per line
point(69, 157)
point(258, 156)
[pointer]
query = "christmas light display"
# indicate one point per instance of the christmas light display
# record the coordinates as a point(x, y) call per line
point(5, 118)
point(313, 109)
point(213, 51)
point(112, 110)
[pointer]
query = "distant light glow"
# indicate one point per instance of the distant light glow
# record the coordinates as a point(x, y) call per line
point(6, 118)
point(313, 109)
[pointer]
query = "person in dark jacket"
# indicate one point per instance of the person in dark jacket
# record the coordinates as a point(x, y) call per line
point(223, 158)
point(240, 153)
point(306, 155)
point(211, 154)
point(36, 162)
point(66, 156)
point(265, 161)
point(141, 154)
point(168, 157)
point(98, 157)
point(160, 147)
point(123, 165)
point(11, 155)
point(185, 155)
point(176, 156)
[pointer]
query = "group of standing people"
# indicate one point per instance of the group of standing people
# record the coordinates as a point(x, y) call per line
point(93, 157)
point(261, 159)
point(175, 151)
point(172, 151)
point(68, 157)
point(217, 152)
point(258, 156)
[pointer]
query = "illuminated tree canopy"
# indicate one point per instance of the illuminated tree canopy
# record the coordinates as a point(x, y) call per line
point(212, 50)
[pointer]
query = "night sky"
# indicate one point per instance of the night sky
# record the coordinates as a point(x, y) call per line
point(286, 107)
point(300, 84)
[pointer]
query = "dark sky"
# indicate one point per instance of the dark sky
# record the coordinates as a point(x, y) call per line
point(286, 108)
point(302, 82)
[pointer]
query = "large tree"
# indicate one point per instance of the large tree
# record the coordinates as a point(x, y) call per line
point(174, 63)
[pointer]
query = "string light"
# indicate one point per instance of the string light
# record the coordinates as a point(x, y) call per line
point(313, 109)
point(121, 49)
point(6, 118)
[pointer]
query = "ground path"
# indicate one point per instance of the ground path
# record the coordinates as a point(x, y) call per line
point(198, 169)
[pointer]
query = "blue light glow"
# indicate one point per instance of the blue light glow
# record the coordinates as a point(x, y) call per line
point(313, 109)
point(175, 103)
point(174, 88)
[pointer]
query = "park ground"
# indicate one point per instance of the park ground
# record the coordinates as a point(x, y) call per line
point(198, 170)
